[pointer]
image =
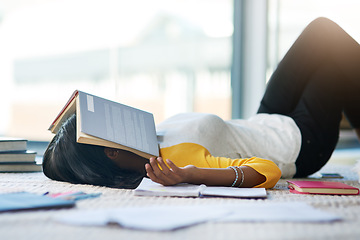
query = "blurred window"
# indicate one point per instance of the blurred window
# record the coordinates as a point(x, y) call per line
point(287, 18)
point(163, 56)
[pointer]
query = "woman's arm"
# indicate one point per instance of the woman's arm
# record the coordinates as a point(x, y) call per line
point(209, 176)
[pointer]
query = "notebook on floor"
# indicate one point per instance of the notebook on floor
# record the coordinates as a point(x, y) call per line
point(27, 201)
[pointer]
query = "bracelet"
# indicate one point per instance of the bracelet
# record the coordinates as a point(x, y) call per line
point(242, 176)
point(236, 175)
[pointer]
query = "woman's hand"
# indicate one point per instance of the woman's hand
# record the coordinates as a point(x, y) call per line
point(168, 176)
point(171, 174)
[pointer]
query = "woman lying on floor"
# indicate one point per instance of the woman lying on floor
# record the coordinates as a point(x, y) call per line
point(296, 128)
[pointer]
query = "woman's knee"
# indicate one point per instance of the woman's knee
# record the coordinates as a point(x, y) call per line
point(321, 21)
point(324, 27)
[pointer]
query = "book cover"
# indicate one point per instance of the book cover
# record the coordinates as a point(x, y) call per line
point(322, 187)
point(12, 144)
point(65, 112)
point(17, 156)
point(111, 124)
point(20, 167)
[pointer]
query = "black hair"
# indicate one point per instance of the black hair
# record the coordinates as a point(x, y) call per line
point(69, 161)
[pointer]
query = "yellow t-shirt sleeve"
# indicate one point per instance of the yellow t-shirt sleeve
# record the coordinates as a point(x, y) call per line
point(193, 154)
point(267, 168)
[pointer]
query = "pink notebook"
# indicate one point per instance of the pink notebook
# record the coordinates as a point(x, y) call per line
point(322, 187)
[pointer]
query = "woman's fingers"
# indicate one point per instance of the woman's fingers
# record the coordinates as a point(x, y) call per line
point(154, 171)
point(172, 166)
point(159, 172)
point(165, 169)
point(151, 174)
point(159, 167)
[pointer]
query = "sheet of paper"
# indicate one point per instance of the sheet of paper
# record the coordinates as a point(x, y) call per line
point(165, 218)
point(278, 212)
point(153, 218)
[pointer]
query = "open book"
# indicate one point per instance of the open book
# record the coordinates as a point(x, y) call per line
point(150, 188)
point(110, 124)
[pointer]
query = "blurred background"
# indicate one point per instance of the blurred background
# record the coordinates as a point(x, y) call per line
point(162, 56)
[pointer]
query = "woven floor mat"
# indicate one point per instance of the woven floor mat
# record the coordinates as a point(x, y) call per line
point(40, 225)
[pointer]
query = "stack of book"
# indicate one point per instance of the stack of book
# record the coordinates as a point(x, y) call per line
point(14, 156)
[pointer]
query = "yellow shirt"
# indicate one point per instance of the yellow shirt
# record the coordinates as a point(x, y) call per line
point(268, 136)
point(184, 154)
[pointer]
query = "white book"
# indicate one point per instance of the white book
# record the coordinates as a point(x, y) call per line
point(20, 167)
point(17, 156)
point(150, 188)
point(12, 144)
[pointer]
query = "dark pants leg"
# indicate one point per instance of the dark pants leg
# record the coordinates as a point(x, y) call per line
point(318, 115)
point(318, 78)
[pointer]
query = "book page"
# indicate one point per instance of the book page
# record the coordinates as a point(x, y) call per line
point(234, 192)
point(150, 188)
point(118, 123)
